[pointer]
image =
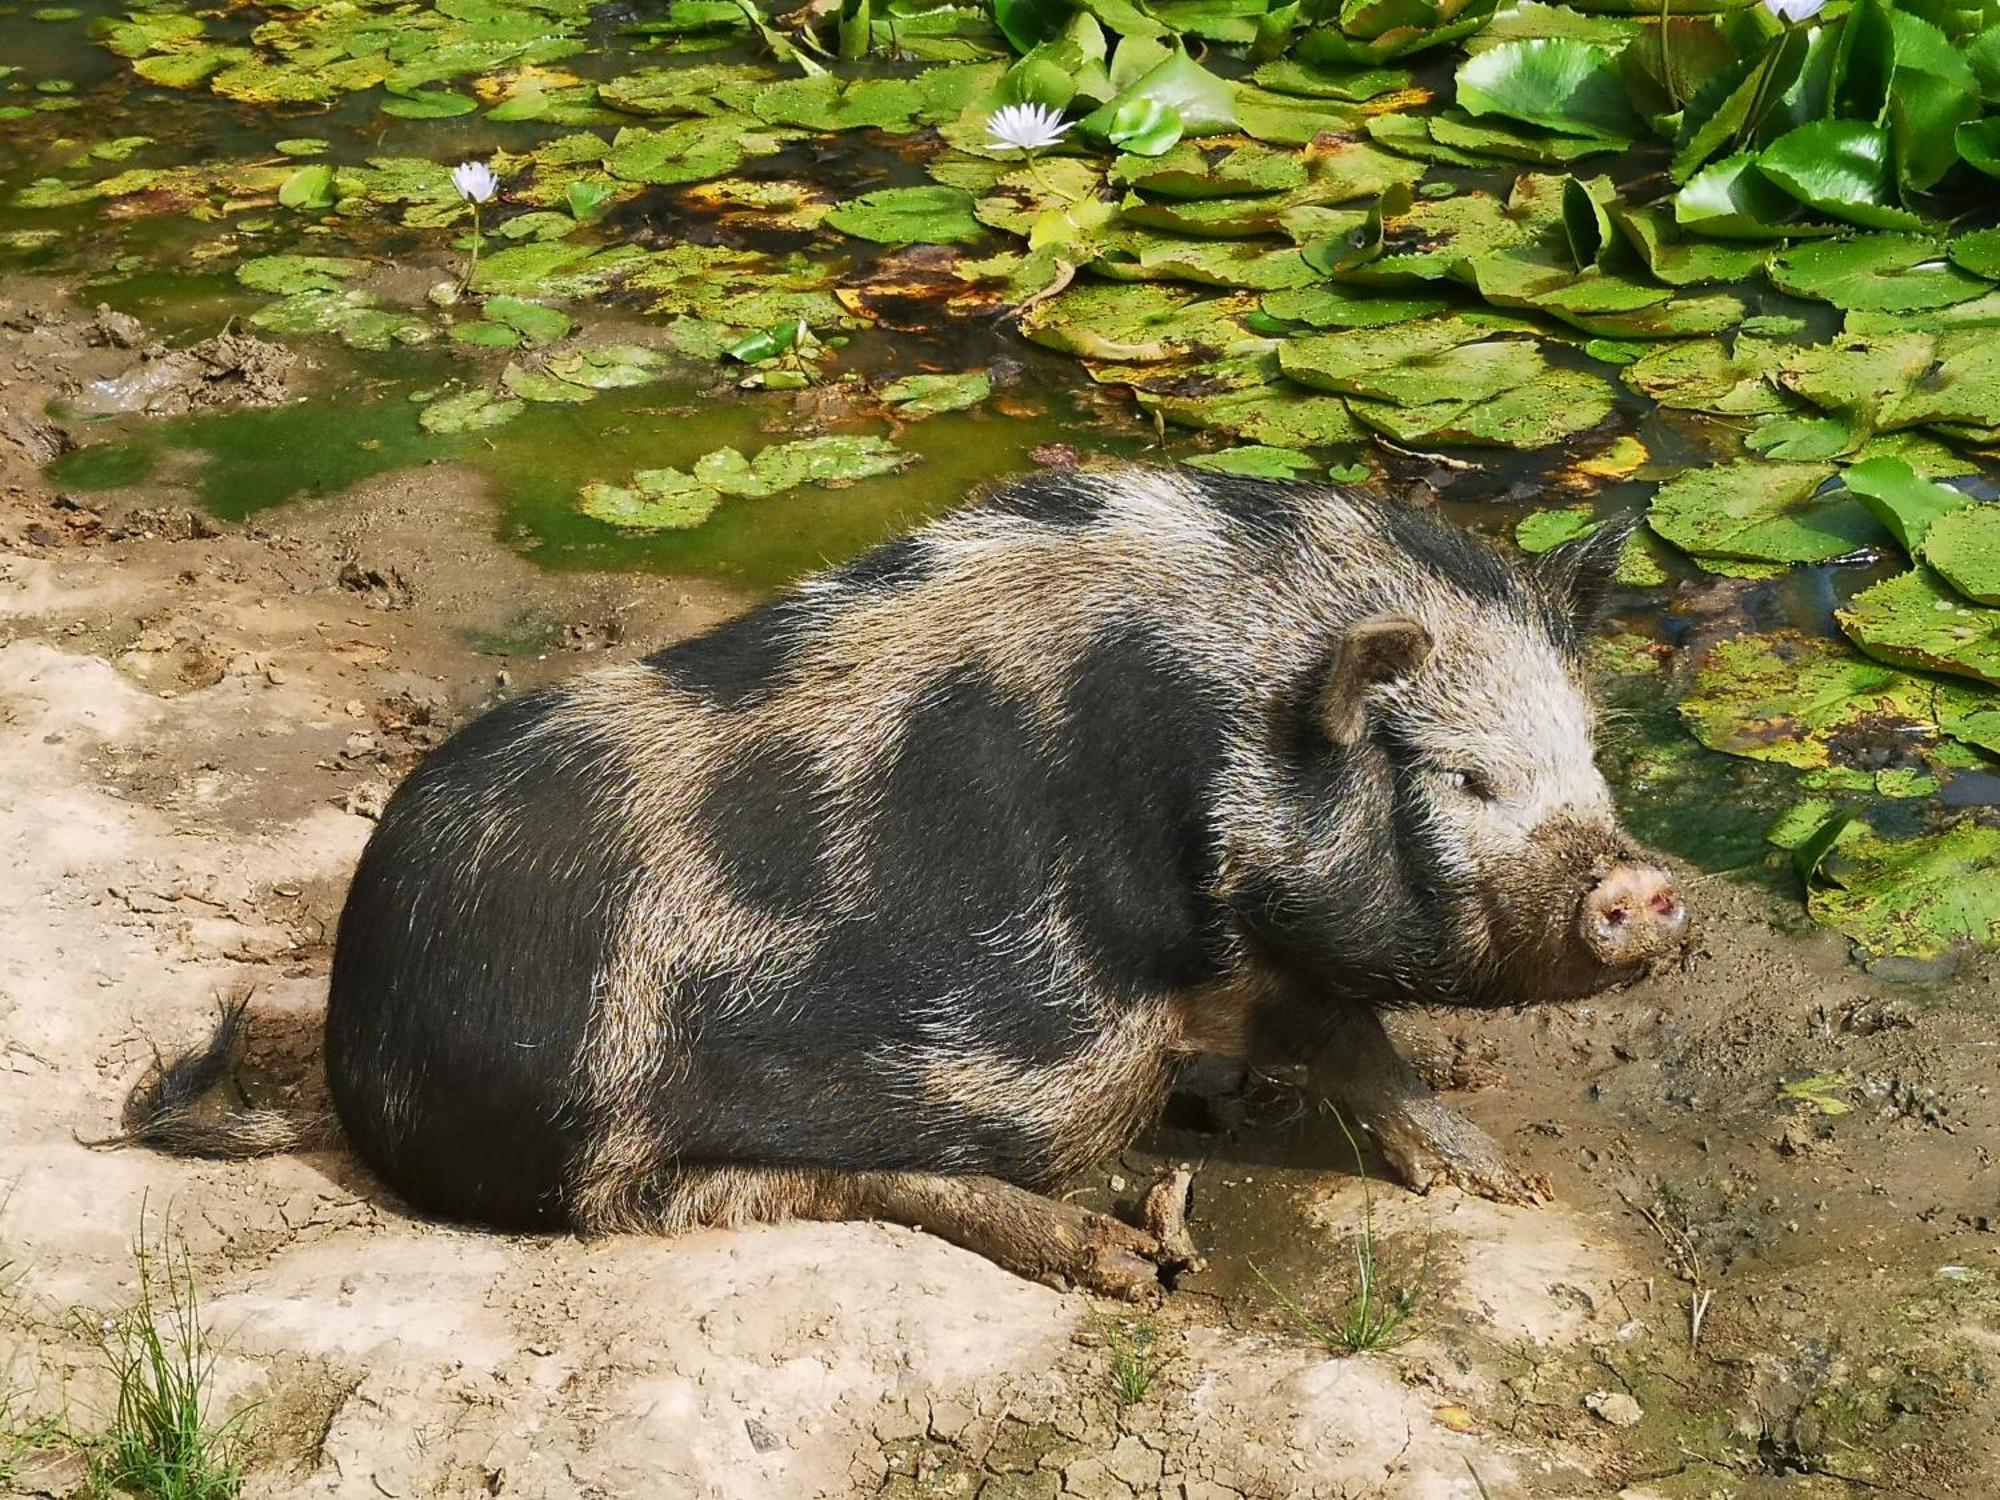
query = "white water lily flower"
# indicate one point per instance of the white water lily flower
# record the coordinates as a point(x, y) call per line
point(1794, 11)
point(475, 181)
point(1026, 127)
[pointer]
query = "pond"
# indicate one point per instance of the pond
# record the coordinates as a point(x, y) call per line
point(750, 298)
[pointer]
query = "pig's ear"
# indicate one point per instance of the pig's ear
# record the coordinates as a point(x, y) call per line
point(1578, 577)
point(1369, 655)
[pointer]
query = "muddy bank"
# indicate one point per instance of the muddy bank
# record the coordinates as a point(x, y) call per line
point(198, 719)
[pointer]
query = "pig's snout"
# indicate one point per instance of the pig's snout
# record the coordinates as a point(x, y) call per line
point(1633, 915)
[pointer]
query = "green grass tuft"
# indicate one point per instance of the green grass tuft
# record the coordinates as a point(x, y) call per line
point(1378, 1308)
point(1134, 1361)
point(161, 1443)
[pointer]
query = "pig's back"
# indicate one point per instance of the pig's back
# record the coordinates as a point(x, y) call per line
point(892, 871)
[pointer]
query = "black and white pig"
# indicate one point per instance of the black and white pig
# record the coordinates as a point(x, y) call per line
point(907, 893)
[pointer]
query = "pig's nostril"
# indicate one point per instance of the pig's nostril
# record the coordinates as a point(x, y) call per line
point(1667, 904)
point(1615, 916)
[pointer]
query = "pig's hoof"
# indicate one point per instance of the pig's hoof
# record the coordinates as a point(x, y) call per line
point(1114, 1259)
point(1128, 1272)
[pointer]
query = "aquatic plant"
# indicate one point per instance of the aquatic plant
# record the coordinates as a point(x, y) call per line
point(476, 184)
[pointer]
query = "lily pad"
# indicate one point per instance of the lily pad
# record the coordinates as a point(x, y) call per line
point(606, 367)
point(539, 385)
point(1680, 259)
point(654, 500)
point(1556, 82)
point(837, 460)
point(1734, 199)
point(1707, 375)
point(1964, 547)
point(1557, 403)
point(1338, 307)
point(928, 395)
point(285, 274)
point(469, 411)
point(1905, 503)
point(1840, 167)
point(1280, 416)
point(1199, 102)
point(1437, 359)
point(1257, 461)
point(685, 151)
point(1548, 529)
point(309, 187)
point(1916, 619)
point(1808, 702)
point(929, 214)
point(1135, 323)
point(1761, 512)
point(1888, 272)
point(1920, 896)
point(827, 102)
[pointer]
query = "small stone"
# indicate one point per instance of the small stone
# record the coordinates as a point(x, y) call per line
point(761, 1437)
point(367, 800)
point(1615, 1408)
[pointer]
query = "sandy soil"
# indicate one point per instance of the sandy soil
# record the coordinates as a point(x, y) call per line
point(196, 724)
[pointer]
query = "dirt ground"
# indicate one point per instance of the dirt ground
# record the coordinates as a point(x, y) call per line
point(1736, 1293)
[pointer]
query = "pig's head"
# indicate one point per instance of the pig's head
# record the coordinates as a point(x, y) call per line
point(1447, 834)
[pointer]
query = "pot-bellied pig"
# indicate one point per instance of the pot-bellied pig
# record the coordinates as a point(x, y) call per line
point(907, 893)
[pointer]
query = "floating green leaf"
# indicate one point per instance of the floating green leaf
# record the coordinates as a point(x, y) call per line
point(1548, 529)
point(469, 411)
point(1916, 619)
point(1921, 895)
point(1761, 512)
point(1892, 272)
point(930, 214)
point(285, 274)
point(427, 104)
point(1809, 702)
point(1964, 547)
point(654, 500)
point(1555, 82)
point(1903, 502)
point(1257, 461)
point(536, 324)
point(929, 395)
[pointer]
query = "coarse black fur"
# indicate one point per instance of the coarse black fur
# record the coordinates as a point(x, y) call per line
point(741, 662)
point(480, 911)
point(1052, 840)
point(1065, 499)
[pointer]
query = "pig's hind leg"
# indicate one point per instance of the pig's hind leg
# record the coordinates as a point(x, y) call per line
point(1058, 1244)
point(1358, 1068)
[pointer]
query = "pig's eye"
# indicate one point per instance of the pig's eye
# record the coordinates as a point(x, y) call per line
point(1471, 783)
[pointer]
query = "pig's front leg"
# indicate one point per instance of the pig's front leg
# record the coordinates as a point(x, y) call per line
point(1357, 1068)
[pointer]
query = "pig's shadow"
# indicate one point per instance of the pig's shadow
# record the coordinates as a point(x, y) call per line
point(1222, 1112)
